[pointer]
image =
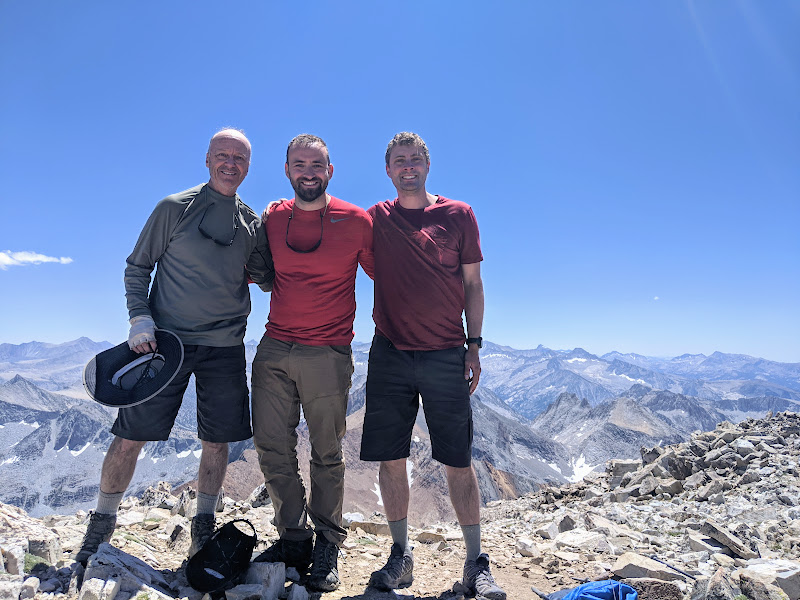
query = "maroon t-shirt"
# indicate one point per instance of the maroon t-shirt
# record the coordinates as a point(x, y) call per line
point(419, 290)
point(313, 297)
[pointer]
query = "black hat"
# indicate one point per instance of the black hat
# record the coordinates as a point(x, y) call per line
point(224, 557)
point(120, 377)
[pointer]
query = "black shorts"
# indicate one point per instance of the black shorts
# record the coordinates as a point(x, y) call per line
point(223, 401)
point(395, 381)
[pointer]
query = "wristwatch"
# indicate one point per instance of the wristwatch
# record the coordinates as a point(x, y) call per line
point(477, 340)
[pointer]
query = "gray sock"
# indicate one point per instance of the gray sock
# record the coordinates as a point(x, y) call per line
point(206, 503)
point(472, 540)
point(108, 504)
point(399, 530)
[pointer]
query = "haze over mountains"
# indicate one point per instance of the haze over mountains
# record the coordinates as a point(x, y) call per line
point(541, 415)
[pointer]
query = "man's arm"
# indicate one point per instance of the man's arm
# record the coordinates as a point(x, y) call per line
point(150, 246)
point(260, 267)
point(473, 313)
point(366, 256)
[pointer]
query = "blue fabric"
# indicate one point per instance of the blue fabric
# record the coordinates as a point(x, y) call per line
point(607, 589)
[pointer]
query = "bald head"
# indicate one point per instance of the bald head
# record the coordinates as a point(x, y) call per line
point(228, 160)
point(230, 132)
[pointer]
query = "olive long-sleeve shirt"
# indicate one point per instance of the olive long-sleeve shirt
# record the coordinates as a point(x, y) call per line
point(200, 290)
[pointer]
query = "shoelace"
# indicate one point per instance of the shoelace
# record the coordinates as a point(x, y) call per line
point(395, 565)
point(327, 552)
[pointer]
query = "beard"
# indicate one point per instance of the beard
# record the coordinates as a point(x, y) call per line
point(307, 194)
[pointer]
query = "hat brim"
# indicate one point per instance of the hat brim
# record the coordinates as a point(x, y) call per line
point(98, 373)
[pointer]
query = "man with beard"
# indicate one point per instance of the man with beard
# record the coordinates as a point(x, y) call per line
point(304, 360)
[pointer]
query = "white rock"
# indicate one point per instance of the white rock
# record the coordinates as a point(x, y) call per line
point(783, 573)
point(588, 541)
point(29, 587)
point(10, 586)
point(527, 547)
point(13, 554)
point(271, 576)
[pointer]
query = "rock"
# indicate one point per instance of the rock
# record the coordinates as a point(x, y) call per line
point(784, 574)
point(632, 565)
point(527, 547)
point(429, 537)
point(654, 589)
point(270, 576)
point(587, 541)
point(259, 497)
point(297, 592)
point(716, 531)
point(134, 574)
point(371, 528)
point(548, 532)
point(717, 587)
point(29, 588)
point(700, 543)
point(248, 591)
point(755, 589)
point(10, 586)
point(13, 554)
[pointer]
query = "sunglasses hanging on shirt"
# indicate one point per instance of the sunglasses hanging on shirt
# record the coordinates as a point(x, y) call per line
point(319, 241)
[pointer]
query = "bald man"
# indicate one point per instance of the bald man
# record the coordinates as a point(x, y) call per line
point(205, 242)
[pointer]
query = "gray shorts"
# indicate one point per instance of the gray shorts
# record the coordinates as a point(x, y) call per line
point(223, 401)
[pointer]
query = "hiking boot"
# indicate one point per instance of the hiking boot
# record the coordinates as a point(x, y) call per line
point(99, 530)
point(479, 581)
point(292, 553)
point(202, 530)
point(325, 566)
point(398, 572)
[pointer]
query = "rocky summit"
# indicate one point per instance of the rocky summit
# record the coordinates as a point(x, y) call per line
point(714, 517)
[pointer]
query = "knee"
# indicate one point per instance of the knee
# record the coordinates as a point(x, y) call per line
point(121, 446)
point(215, 447)
point(393, 468)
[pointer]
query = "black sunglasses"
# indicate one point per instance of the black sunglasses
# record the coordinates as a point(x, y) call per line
point(319, 241)
point(208, 235)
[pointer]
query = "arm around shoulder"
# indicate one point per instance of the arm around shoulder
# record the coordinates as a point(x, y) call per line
point(260, 266)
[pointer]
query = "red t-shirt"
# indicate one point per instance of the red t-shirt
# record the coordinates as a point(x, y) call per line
point(313, 297)
point(419, 290)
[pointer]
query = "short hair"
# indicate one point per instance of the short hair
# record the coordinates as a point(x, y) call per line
point(306, 140)
point(406, 138)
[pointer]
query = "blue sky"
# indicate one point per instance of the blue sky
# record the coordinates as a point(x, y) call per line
point(634, 166)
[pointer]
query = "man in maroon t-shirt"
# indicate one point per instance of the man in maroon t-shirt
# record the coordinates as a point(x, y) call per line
point(427, 273)
point(304, 359)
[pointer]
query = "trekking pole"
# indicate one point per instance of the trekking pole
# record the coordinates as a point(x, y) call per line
point(655, 558)
point(540, 593)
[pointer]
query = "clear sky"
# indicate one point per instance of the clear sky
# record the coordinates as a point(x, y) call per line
point(634, 166)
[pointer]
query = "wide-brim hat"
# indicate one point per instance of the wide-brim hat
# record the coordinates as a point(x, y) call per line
point(120, 377)
point(223, 558)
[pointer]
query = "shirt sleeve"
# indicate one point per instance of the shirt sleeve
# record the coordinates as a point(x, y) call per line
point(471, 242)
point(260, 267)
point(366, 257)
point(151, 245)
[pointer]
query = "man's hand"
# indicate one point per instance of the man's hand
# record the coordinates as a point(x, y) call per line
point(472, 367)
point(270, 207)
point(142, 336)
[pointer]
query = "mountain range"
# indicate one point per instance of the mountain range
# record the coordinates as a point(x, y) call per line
point(541, 416)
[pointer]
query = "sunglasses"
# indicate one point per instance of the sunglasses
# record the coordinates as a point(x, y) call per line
point(210, 236)
point(138, 372)
point(319, 241)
